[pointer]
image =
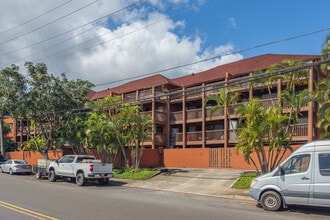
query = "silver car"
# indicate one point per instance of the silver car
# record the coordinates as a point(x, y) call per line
point(16, 166)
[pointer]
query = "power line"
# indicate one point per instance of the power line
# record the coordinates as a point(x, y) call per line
point(32, 19)
point(215, 57)
point(105, 42)
point(33, 30)
point(63, 33)
point(222, 84)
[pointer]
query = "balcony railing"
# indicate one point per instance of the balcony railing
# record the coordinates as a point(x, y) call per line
point(176, 116)
point(300, 130)
point(145, 94)
point(194, 114)
point(266, 103)
point(194, 136)
point(214, 135)
point(194, 93)
point(177, 137)
point(215, 114)
point(159, 116)
point(159, 139)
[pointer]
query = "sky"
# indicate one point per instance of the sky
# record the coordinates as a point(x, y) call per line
point(111, 42)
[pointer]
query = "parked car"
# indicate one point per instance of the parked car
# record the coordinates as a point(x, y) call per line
point(16, 166)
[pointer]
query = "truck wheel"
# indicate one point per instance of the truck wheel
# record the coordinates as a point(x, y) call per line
point(271, 201)
point(80, 179)
point(52, 176)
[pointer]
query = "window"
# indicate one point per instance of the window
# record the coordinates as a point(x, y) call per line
point(324, 164)
point(297, 164)
point(66, 159)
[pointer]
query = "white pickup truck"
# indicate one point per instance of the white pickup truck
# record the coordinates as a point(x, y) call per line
point(80, 168)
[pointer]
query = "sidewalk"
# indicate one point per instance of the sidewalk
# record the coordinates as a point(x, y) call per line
point(207, 182)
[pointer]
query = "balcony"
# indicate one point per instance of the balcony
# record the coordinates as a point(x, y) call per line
point(216, 115)
point(176, 117)
point(194, 115)
point(145, 94)
point(214, 136)
point(160, 117)
point(194, 93)
point(194, 136)
point(177, 138)
point(159, 139)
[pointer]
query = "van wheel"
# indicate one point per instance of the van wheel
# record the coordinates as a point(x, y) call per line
point(271, 201)
point(80, 179)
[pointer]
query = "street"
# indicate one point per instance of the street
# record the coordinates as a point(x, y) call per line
point(24, 197)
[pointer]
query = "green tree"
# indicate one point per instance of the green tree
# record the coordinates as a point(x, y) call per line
point(272, 126)
point(103, 131)
point(46, 99)
point(72, 133)
point(325, 52)
point(322, 92)
point(12, 88)
point(225, 100)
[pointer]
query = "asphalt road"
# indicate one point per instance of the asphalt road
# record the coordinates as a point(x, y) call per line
point(24, 197)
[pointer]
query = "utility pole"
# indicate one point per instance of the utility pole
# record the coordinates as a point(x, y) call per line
point(1, 138)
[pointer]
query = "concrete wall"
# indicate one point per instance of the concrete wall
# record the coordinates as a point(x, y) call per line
point(32, 156)
point(186, 157)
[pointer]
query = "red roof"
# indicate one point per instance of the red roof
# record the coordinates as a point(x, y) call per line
point(144, 83)
point(101, 94)
point(239, 67)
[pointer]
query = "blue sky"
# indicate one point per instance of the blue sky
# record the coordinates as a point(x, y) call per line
point(141, 38)
point(252, 23)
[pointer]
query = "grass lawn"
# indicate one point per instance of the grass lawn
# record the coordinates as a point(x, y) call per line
point(131, 173)
point(244, 181)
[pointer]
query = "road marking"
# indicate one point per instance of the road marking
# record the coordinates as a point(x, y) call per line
point(28, 212)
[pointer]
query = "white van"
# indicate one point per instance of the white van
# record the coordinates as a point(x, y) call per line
point(302, 179)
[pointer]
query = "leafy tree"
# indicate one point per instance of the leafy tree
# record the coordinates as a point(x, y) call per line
point(72, 133)
point(113, 126)
point(137, 129)
point(322, 92)
point(102, 130)
point(225, 100)
point(11, 90)
point(325, 51)
point(273, 126)
point(42, 99)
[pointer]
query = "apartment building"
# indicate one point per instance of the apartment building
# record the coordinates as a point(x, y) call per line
point(182, 118)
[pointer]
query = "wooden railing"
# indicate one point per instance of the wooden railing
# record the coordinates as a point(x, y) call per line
point(214, 135)
point(194, 114)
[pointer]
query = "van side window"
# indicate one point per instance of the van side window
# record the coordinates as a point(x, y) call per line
point(324, 164)
point(297, 164)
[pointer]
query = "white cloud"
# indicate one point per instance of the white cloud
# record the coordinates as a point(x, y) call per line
point(132, 43)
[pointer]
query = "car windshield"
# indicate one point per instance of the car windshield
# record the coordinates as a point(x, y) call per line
point(19, 162)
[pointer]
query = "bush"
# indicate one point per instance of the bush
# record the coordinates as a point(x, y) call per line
point(131, 173)
point(244, 181)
